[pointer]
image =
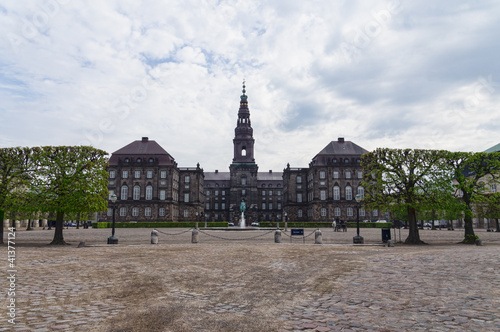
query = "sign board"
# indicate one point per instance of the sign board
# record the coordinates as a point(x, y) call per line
point(298, 231)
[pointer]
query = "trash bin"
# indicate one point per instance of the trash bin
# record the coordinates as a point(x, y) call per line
point(386, 234)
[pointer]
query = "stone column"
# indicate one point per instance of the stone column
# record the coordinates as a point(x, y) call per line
point(277, 236)
point(154, 236)
point(318, 238)
point(194, 236)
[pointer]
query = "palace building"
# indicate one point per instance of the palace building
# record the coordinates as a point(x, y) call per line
point(150, 186)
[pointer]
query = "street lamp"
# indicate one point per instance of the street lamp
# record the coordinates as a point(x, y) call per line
point(113, 239)
point(358, 239)
point(196, 222)
point(286, 220)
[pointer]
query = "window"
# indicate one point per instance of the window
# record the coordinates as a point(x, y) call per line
point(186, 213)
point(362, 212)
point(336, 193)
point(123, 212)
point(360, 174)
point(243, 192)
point(161, 212)
point(348, 193)
point(322, 175)
point(137, 174)
point(135, 211)
point(361, 192)
point(223, 192)
point(278, 192)
point(111, 174)
point(138, 160)
point(299, 179)
point(162, 195)
point(150, 160)
point(346, 161)
point(322, 194)
point(163, 174)
point(124, 193)
point(279, 206)
point(110, 212)
point(149, 174)
point(323, 212)
point(125, 174)
point(263, 206)
point(216, 207)
point(186, 179)
point(270, 206)
point(149, 192)
point(147, 212)
point(263, 193)
point(270, 192)
point(243, 180)
point(375, 213)
point(299, 198)
point(350, 212)
point(186, 197)
point(137, 193)
point(336, 212)
point(299, 213)
point(223, 206)
point(335, 174)
point(207, 206)
point(207, 193)
point(347, 174)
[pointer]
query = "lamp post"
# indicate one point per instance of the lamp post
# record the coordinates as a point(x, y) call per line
point(358, 239)
point(286, 220)
point(196, 222)
point(113, 239)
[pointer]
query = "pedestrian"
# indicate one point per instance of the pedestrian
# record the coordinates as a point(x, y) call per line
point(334, 225)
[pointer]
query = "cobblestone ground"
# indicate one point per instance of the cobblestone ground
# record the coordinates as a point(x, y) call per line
point(440, 287)
point(454, 289)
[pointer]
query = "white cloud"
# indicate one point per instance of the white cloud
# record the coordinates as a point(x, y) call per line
point(391, 73)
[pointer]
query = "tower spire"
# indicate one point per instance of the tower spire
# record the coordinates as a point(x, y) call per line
point(243, 139)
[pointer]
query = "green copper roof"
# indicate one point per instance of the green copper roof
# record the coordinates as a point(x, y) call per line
point(495, 148)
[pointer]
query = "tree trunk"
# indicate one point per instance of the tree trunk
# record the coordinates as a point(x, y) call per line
point(1, 228)
point(498, 226)
point(413, 235)
point(58, 234)
point(469, 229)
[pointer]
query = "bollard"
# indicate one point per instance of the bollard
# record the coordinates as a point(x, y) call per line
point(318, 238)
point(194, 237)
point(154, 236)
point(277, 236)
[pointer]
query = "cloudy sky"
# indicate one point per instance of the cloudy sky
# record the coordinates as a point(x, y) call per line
point(417, 74)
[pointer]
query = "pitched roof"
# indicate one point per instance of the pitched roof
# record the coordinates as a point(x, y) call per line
point(217, 176)
point(270, 176)
point(495, 148)
point(144, 147)
point(341, 147)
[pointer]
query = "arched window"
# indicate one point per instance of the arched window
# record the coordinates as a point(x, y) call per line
point(124, 193)
point(243, 151)
point(361, 192)
point(336, 193)
point(149, 192)
point(348, 193)
point(137, 193)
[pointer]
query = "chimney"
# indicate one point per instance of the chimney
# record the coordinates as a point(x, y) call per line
point(216, 171)
point(270, 171)
point(341, 140)
point(144, 139)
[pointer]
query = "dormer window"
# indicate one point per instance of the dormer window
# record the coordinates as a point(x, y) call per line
point(138, 160)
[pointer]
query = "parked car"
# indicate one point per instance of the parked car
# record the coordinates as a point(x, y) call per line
point(254, 224)
point(230, 223)
point(427, 225)
point(381, 220)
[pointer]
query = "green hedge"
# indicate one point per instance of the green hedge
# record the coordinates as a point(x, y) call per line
point(305, 224)
point(265, 224)
point(157, 224)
